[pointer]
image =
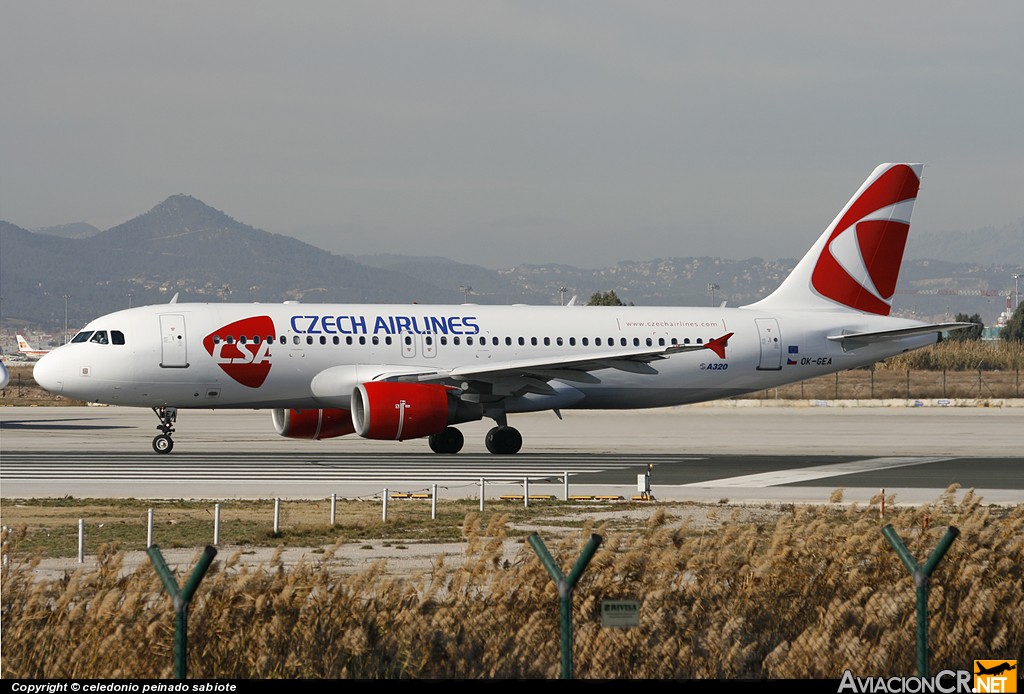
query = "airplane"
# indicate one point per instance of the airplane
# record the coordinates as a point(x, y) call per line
point(26, 350)
point(5, 375)
point(398, 372)
point(995, 669)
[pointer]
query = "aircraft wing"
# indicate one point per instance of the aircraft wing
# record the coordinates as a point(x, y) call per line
point(886, 335)
point(533, 374)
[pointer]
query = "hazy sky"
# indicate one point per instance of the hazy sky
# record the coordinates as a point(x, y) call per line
point(509, 132)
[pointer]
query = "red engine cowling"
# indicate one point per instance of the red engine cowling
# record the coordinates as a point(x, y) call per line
point(313, 424)
point(397, 411)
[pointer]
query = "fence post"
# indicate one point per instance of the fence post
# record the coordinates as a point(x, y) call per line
point(565, 585)
point(565, 486)
point(334, 508)
point(277, 517)
point(149, 528)
point(384, 507)
point(216, 524)
point(481, 493)
point(921, 574)
point(181, 599)
point(526, 492)
point(81, 540)
point(433, 501)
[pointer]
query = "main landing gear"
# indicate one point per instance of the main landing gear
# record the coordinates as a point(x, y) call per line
point(500, 440)
point(167, 417)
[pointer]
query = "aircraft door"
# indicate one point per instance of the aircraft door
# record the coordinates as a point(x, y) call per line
point(173, 342)
point(771, 344)
point(429, 345)
point(408, 345)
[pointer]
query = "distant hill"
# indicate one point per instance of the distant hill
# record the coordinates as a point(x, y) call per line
point(986, 246)
point(183, 246)
point(75, 230)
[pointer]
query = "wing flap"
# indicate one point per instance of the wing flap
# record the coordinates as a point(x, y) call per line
point(897, 333)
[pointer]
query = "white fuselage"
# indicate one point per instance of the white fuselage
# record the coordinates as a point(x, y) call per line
point(193, 355)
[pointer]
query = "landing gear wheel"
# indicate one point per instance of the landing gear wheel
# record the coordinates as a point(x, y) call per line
point(167, 416)
point(163, 444)
point(504, 440)
point(448, 441)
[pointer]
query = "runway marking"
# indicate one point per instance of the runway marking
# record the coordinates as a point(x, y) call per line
point(777, 478)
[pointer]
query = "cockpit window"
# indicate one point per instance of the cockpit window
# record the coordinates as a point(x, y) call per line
point(82, 336)
point(99, 337)
point(116, 337)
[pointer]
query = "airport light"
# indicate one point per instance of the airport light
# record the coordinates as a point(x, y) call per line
point(1016, 292)
point(711, 288)
point(562, 291)
point(466, 291)
point(130, 297)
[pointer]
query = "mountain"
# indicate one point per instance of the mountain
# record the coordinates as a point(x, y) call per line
point(75, 230)
point(183, 246)
point(985, 246)
point(186, 247)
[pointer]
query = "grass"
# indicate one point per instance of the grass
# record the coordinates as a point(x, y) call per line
point(726, 592)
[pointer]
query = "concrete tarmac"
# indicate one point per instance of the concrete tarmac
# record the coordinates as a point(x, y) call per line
point(752, 451)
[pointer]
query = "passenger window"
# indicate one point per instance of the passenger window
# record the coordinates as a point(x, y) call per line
point(216, 339)
point(99, 337)
point(295, 339)
point(241, 340)
point(323, 339)
point(533, 341)
point(675, 341)
point(586, 342)
point(508, 340)
point(444, 339)
point(116, 337)
point(362, 339)
point(686, 341)
point(309, 339)
point(230, 339)
point(547, 341)
point(636, 341)
point(455, 340)
point(623, 341)
point(700, 341)
point(572, 341)
point(597, 341)
point(429, 340)
point(82, 336)
point(336, 340)
point(522, 341)
point(376, 340)
point(650, 342)
point(284, 340)
point(469, 340)
point(408, 340)
point(387, 339)
point(348, 339)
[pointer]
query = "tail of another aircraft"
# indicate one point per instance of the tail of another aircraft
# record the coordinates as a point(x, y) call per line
point(23, 345)
point(855, 263)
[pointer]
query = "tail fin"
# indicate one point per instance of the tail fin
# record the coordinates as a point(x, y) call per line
point(856, 262)
point(23, 345)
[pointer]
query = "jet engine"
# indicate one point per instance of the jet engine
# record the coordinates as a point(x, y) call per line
point(313, 424)
point(397, 411)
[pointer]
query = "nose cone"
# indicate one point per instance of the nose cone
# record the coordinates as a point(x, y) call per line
point(48, 373)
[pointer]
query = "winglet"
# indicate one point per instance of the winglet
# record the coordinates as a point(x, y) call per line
point(718, 344)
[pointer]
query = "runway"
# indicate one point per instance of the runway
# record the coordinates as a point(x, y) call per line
point(752, 454)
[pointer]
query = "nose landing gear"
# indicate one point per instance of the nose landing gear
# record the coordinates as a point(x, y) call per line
point(167, 416)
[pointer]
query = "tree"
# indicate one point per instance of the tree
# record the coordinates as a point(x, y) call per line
point(967, 334)
point(609, 298)
point(1014, 329)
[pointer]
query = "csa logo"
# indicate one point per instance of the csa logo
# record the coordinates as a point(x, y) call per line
point(242, 350)
point(861, 262)
point(995, 675)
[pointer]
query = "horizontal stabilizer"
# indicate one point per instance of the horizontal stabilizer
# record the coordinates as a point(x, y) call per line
point(898, 333)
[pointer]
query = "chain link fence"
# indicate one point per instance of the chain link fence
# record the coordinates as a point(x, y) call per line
point(780, 592)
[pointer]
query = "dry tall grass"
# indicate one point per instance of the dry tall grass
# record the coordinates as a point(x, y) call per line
point(816, 593)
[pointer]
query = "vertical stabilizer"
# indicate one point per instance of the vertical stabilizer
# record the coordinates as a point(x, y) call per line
point(855, 263)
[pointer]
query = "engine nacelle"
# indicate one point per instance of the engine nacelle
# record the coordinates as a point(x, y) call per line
point(313, 424)
point(396, 411)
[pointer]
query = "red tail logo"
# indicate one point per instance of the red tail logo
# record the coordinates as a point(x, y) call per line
point(860, 263)
point(242, 349)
